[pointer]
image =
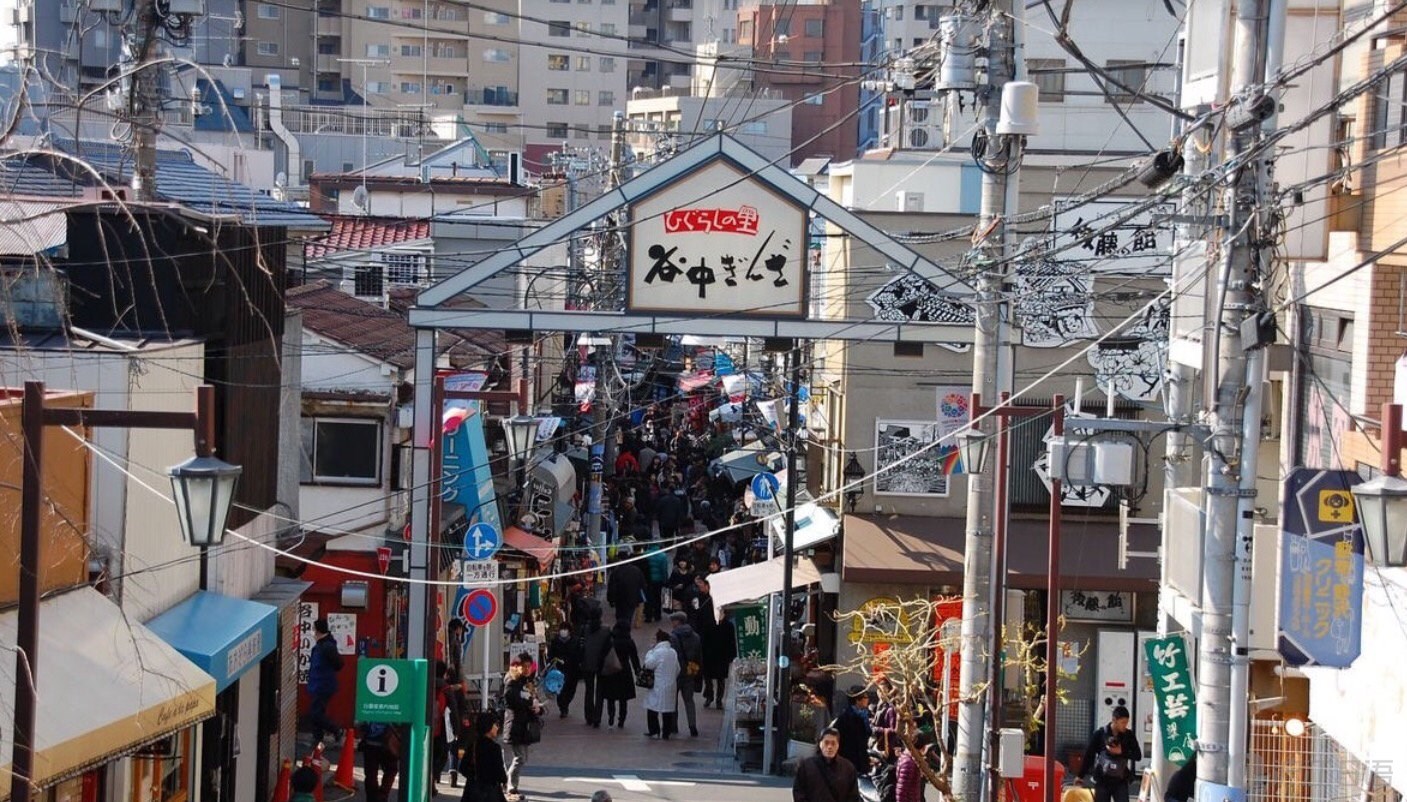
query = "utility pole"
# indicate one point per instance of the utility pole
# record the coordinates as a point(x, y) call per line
point(990, 258)
point(783, 686)
point(1231, 456)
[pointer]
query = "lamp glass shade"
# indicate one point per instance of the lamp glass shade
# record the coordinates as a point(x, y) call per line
point(521, 431)
point(204, 488)
point(854, 471)
point(1382, 509)
point(972, 447)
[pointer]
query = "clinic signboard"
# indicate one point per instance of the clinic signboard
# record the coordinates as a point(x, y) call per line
point(720, 243)
point(1321, 570)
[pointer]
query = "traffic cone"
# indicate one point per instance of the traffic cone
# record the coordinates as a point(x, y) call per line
point(283, 788)
point(320, 766)
point(343, 778)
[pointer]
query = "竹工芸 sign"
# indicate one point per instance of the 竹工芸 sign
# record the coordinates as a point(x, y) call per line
point(720, 242)
point(1321, 570)
point(1175, 694)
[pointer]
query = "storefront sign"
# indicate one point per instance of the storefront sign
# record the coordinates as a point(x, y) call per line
point(750, 624)
point(343, 628)
point(241, 654)
point(466, 477)
point(718, 242)
point(1110, 607)
point(882, 620)
point(1176, 696)
point(1321, 570)
point(307, 614)
point(947, 618)
point(1085, 234)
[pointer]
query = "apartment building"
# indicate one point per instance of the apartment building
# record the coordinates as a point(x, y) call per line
point(395, 54)
point(665, 33)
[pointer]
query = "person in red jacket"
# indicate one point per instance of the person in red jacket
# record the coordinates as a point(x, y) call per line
point(908, 786)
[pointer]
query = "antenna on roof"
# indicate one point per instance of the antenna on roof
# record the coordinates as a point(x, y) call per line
point(361, 199)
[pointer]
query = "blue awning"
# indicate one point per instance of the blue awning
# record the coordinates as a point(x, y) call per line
point(222, 635)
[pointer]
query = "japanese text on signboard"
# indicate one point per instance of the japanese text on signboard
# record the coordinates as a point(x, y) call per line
point(1176, 695)
point(307, 614)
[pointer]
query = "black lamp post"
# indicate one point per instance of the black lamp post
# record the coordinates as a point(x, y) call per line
point(204, 488)
point(853, 474)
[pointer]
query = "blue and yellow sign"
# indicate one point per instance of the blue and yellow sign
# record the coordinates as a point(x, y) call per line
point(1321, 570)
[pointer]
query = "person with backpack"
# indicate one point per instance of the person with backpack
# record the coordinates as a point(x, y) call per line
point(381, 758)
point(689, 646)
point(482, 763)
point(1110, 757)
point(520, 724)
point(618, 672)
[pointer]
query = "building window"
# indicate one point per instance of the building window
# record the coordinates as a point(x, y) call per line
point(495, 18)
point(816, 27)
point(404, 268)
point(557, 130)
point(1049, 75)
point(583, 97)
point(497, 55)
point(378, 12)
point(605, 97)
point(411, 50)
point(1129, 72)
point(410, 87)
point(268, 48)
point(1389, 122)
point(781, 26)
point(898, 13)
point(607, 64)
point(378, 51)
point(811, 56)
point(581, 131)
point(757, 127)
point(603, 132)
point(583, 64)
point(378, 87)
point(920, 12)
point(558, 27)
point(442, 50)
point(411, 12)
point(582, 28)
point(608, 29)
point(341, 451)
point(558, 63)
point(556, 97)
point(267, 11)
point(495, 128)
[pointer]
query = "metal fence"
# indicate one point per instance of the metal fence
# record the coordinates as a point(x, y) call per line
point(1293, 764)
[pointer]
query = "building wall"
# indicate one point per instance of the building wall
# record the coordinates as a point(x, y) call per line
point(287, 28)
point(762, 124)
point(603, 92)
point(63, 521)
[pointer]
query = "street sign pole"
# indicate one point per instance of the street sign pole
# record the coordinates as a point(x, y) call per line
point(393, 692)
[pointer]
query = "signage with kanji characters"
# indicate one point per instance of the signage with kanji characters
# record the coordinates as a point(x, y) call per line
point(307, 614)
point(1087, 605)
point(719, 242)
point(473, 573)
point(1321, 570)
point(1176, 694)
point(750, 625)
point(1102, 238)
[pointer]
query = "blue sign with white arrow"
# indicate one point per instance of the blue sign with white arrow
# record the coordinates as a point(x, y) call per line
point(481, 541)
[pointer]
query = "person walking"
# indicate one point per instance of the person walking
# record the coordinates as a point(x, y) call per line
point(1110, 757)
point(661, 700)
point(1183, 784)
point(826, 776)
point(720, 649)
point(323, 664)
point(670, 510)
point(625, 588)
point(853, 724)
point(520, 709)
point(482, 763)
point(909, 779)
point(690, 648)
point(656, 574)
point(381, 759)
point(564, 652)
point(594, 645)
point(681, 584)
point(618, 687)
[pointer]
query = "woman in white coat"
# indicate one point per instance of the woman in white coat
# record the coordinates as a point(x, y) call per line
point(660, 699)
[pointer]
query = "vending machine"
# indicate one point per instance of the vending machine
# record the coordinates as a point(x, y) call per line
point(1122, 680)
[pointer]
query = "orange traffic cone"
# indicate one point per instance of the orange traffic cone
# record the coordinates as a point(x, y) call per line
point(283, 788)
point(315, 760)
point(344, 779)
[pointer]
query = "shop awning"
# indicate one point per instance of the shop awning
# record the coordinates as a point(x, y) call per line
point(543, 550)
point(757, 580)
point(814, 525)
point(223, 635)
point(106, 687)
point(915, 550)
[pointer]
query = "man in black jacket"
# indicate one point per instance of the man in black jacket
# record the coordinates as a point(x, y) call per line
point(625, 588)
point(853, 727)
point(689, 646)
point(1110, 757)
point(826, 776)
point(520, 708)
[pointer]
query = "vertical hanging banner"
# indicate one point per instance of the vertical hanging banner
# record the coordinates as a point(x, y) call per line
point(466, 477)
point(750, 627)
point(1176, 696)
point(1321, 570)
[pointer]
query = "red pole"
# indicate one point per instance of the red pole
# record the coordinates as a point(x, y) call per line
point(1052, 610)
point(1392, 439)
point(998, 601)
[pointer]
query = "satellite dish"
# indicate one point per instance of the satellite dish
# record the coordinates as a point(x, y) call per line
point(360, 198)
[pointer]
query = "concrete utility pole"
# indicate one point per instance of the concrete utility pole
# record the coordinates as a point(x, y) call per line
point(968, 774)
point(1231, 457)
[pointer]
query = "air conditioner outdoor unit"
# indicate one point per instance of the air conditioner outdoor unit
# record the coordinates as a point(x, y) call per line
point(906, 200)
point(922, 129)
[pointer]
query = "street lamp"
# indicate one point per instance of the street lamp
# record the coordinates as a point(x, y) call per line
point(521, 433)
point(853, 474)
point(203, 488)
point(972, 448)
point(1382, 502)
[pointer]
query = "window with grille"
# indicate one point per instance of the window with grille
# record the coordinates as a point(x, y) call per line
point(404, 268)
point(368, 281)
point(1048, 75)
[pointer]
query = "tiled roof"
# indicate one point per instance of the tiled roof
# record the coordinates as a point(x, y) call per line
point(180, 180)
point(357, 233)
point(367, 328)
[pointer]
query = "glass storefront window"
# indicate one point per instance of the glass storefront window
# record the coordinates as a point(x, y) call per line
point(161, 772)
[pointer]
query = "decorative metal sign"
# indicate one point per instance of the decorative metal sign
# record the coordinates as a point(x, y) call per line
point(720, 242)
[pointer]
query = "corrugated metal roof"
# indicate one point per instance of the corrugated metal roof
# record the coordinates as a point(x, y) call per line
point(26, 174)
point(31, 227)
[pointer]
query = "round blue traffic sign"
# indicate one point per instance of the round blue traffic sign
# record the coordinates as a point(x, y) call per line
point(765, 486)
point(477, 607)
point(481, 541)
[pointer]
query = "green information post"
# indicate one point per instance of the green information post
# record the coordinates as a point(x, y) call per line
point(1176, 695)
point(394, 692)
